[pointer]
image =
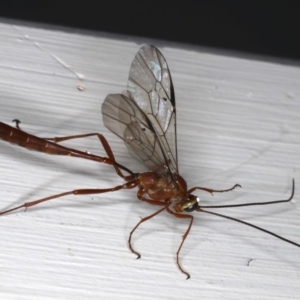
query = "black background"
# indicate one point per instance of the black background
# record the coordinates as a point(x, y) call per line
point(259, 27)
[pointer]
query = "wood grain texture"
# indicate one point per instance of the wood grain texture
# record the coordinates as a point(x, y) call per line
point(238, 122)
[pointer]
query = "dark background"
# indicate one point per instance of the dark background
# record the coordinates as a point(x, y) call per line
point(258, 27)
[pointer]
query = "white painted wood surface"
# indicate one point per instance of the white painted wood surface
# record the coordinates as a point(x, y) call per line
point(238, 122)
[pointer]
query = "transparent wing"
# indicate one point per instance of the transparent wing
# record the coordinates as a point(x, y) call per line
point(124, 118)
point(145, 118)
point(151, 86)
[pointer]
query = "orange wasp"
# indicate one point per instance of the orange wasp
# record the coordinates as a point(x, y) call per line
point(145, 118)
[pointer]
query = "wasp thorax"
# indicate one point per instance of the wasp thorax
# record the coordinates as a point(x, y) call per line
point(148, 179)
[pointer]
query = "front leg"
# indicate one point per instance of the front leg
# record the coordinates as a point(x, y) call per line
point(140, 194)
point(182, 216)
point(138, 224)
point(211, 190)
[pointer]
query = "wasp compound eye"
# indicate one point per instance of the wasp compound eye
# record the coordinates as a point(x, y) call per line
point(191, 204)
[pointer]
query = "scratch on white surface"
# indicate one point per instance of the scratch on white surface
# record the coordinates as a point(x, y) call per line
point(259, 152)
point(250, 95)
point(249, 261)
point(80, 77)
point(290, 95)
